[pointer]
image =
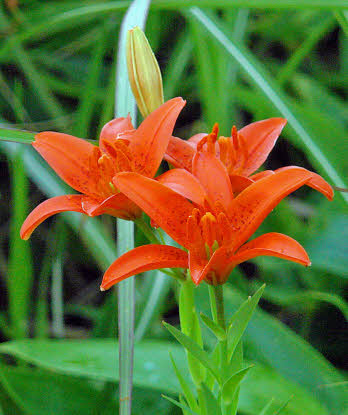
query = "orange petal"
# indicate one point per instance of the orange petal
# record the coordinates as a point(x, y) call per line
point(260, 137)
point(261, 175)
point(111, 130)
point(252, 205)
point(219, 266)
point(184, 183)
point(48, 208)
point(180, 153)
point(239, 183)
point(198, 268)
point(166, 208)
point(150, 141)
point(195, 139)
point(117, 205)
point(213, 176)
point(316, 182)
point(141, 259)
point(69, 157)
point(272, 244)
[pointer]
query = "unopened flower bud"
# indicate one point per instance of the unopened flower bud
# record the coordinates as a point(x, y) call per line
point(143, 72)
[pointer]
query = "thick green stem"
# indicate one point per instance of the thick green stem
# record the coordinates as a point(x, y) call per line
point(191, 327)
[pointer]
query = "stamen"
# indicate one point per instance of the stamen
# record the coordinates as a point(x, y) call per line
point(208, 226)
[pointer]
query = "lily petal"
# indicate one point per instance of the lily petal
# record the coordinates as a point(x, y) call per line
point(261, 175)
point(150, 141)
point(180, 153)
point(239, 183)
point(260, 137)
point(198, 268)
point(49, 208)
point(117, 205)
point(166, 208)
point(141, 259)
point(252, 206)
point(272, 244)
point(316, 182)
point(214, 178)
point(184, 183)
point(69, 157)
point(112, 129)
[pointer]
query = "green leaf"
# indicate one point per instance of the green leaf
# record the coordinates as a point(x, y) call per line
point(97, 360)
point(185, 386)
point(327, 249)
point(194, 349)
point(213, 406)
point(20, 270)
point(63, 394)
point(180, 405)
point(291, 356)
point(215, 328)
point(241, 319)
point(17, 136)
point(230, 386)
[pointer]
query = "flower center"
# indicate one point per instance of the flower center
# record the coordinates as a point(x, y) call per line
point(232, 151)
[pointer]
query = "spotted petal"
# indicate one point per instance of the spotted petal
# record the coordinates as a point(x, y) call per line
point(70, 158)
point(272, 244)
point(260, 138)
point(251, 207)
point(141, 259)
point(117, 205)
point(150, 141)
point(166, 208)
point(180, 153)
point(112, 129)
point(49, 208)
point(214, 178)
point(184, 183)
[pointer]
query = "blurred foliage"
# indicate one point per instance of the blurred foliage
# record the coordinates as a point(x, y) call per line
point(234, 66)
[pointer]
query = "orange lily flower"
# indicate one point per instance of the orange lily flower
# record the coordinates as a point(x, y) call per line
point(242, 153)
point(215, 227)
point(90, 169)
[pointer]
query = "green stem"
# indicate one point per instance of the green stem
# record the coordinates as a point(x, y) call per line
point(147, 231)
point(190, 326)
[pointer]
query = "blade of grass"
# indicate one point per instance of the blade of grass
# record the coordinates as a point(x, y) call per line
point(87, 100)
point(342, 18)
point(263, 80)
point(64, 20)
point(324, 25)
point(160, 287)
point(20, 271)
point(124, 104)
point(16, 136)
point(57, 303)
point(48, 101)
